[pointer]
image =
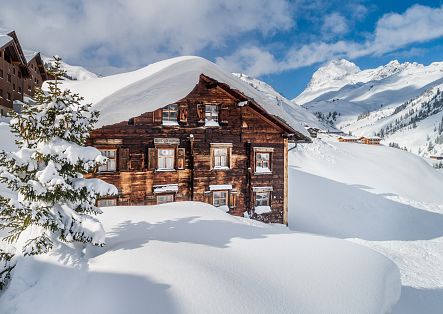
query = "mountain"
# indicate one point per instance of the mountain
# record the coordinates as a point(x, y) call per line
point(399, 101)
point(299, 113)
point(73, 72)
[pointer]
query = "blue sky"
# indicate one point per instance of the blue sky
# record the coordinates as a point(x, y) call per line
point(281, 42)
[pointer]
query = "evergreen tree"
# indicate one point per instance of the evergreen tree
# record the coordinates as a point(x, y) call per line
point(55, 202)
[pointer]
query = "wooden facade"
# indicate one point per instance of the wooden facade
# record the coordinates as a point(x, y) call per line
point(17, 77)
point(215, 146)
point(370, 140)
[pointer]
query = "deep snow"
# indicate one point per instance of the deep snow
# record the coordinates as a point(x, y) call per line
point(190, 257)
point(385, 198)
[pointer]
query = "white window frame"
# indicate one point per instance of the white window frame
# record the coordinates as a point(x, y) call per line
point(167, 114)
point(217, 196)
point(212, 112)
point(162, 160)
point(111, 163)
point(170, 198)
point(220, 157)
point(265, 195)
point(106, 202)
point(261, 163)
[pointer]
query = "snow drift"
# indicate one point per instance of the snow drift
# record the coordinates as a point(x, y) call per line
point(192, 258)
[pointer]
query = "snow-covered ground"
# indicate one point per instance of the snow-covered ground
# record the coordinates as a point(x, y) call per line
point(385, 198)
point(193, 258)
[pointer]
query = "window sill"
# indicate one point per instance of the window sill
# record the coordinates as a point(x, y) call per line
point(170, 124)
point(221, 168)
point(262, 172)
point(165, 170)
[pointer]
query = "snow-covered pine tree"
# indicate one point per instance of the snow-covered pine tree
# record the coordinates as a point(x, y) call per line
point(55, 202)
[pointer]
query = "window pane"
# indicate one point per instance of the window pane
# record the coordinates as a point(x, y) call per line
point(167, 198)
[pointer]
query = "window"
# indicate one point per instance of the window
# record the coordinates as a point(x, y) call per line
point(1, 93)
point(106, 202)
point(19, 89)
point(111, 163)
point(13, 86)
point(166, 159)
point(262, 162)
point(220, 198)
point(8, 96)
point(169, 114)
point(211, 115)
point(221, 157)
point(1, 73)
point(9, 78)
point(165, 198)
point(262, 198)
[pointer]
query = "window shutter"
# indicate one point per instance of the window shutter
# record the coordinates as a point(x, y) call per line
point(224, 114)
point(230, 157)
point(232, 199)
point(208, 198)
point(158, 116)
point(181, 154)
point(201, 112)
point(183, 114)
point(152, 158)
point(123, 159)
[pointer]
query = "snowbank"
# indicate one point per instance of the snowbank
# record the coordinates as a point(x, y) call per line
point(193, 258)
point(162, 83)
point(384, 198)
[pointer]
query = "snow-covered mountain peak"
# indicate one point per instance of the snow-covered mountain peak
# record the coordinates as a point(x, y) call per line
point(335, 70)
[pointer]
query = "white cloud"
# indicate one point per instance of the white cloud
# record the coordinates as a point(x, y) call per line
point(417, 24)
point(136, 32)
point(392, 32)
point(335, 24)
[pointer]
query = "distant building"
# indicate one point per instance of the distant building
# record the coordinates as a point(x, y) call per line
point(348, 139)
point(370, 140)
point(436, 157)
point(20, 73)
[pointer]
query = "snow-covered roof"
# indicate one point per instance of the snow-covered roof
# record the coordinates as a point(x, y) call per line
point(4, 39)
point(29, 54)
point(122, 96)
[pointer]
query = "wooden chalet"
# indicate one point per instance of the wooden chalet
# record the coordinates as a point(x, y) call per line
point(348, 139)
point(370, 140)
point(18, 76)
point(215, 145)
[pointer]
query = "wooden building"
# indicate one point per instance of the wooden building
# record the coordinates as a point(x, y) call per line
point(215, 145)
point(370, 140)
point(18, 77)
point(348, 139)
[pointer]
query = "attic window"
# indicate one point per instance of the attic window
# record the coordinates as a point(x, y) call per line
point(211, 115)
point(169, 115)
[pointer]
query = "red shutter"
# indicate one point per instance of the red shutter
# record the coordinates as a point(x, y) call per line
point(152, 158)
point(123, 159)
point(181, 153)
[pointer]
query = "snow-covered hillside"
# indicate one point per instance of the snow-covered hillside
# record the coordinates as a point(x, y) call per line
point(382, 197)
point(73, 72)
point(399, 101)
point(192, 258)
point(298, 112)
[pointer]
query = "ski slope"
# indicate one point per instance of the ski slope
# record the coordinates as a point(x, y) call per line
point(385, 198)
